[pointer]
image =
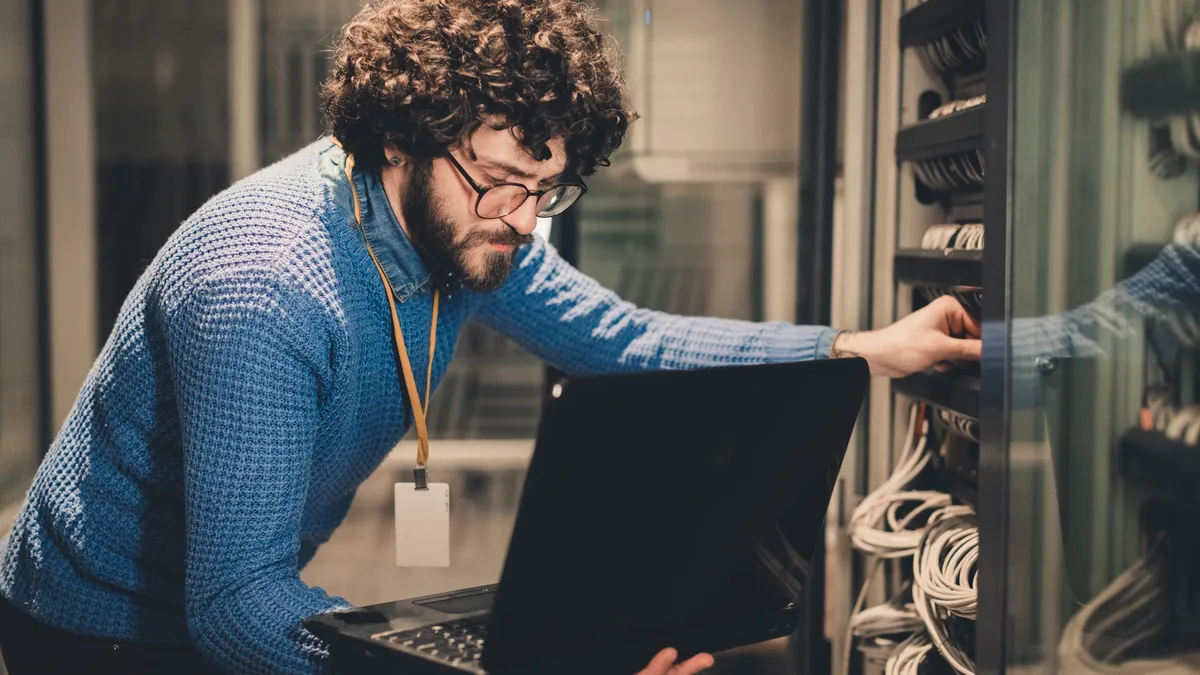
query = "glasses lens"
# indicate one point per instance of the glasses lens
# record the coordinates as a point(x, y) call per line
point(501, 201)
point(558, 200)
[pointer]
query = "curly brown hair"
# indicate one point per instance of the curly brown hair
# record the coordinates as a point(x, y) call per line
point(424, 74)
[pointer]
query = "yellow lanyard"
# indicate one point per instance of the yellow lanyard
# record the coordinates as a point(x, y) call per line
point(410, 381)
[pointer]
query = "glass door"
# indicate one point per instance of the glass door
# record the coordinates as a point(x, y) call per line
point(698, 213)
point(20, 445)
point(1103, 429)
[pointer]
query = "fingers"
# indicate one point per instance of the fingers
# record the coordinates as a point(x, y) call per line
point(956, 349)
point(959, 321)
point(970, 325)
point(661, 663)
point(664, 664)
point(693, 665)
point(971, 349)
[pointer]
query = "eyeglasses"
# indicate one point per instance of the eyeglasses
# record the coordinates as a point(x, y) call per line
point(501, 199)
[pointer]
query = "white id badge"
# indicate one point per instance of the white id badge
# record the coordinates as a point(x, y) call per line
point(423, 525)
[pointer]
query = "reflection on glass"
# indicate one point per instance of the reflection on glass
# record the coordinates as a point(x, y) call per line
point(684, 249)
point(1102, 549)
point(162, 135)
point(697, 215)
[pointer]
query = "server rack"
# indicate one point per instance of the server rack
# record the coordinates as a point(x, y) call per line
point(1083, 474)
point(912, 167)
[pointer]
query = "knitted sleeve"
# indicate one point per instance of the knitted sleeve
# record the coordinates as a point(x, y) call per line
point(1166, 292)
point(568, 319)
point(249, 361)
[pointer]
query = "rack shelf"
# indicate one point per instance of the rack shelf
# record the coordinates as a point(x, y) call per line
point(1162, 86)
point(959, 132)
point(1169, 468)
point(957, 392)
point(934, 18)
point(944, 480)
point(957, 268)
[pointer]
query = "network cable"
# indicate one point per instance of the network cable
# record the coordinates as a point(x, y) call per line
point(891, 618)
point(909, 655)
point(945, 572)
point(1129, 613)
point(894, 522)
point(877, 527)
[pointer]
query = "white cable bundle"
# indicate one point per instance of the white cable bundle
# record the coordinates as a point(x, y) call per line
point(961, 236)
point(960, 424)
point(876, 526)
point(909, 655)
point(944, 579)
point(957, 106)
point(939, 236)
point(886, 619)
point(884, 533)
point(1130, 612)
point(945, 564)
point(943, 540)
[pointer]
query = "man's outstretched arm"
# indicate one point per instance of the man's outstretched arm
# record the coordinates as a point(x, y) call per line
point(567, 318)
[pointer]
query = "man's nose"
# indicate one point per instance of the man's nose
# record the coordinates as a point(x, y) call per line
point(524, 219)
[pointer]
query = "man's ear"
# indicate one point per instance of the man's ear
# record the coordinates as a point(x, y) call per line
point(393, 156)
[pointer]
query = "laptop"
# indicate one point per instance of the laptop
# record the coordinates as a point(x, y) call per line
point(660, 509)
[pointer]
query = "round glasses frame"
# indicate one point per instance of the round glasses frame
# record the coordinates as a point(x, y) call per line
point(571, 192)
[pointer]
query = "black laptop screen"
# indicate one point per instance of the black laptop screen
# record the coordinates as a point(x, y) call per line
point(662, 501)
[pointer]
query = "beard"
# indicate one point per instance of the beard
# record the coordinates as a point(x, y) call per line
point(435, 237)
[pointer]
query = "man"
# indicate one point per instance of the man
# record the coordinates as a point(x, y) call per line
point(252, 380)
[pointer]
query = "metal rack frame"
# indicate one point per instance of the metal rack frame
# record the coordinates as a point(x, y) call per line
point(890, 204)
point(994, 469)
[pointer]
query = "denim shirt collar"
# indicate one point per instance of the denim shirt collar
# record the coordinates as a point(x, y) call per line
point(405, 269)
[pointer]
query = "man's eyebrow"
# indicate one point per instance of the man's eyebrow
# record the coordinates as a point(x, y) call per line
point(511, 170)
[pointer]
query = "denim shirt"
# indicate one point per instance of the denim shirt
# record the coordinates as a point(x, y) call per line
point(406, 271)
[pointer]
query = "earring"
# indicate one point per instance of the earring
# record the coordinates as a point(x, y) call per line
point(395, 161)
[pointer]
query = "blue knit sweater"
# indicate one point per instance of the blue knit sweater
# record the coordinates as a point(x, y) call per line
point(250, 385)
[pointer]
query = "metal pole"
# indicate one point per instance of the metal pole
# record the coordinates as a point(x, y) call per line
point(245, 144)
point(71, 199)
point(814, 246)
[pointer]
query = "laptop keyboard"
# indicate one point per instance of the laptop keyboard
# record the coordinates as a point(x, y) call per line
point(459, 643)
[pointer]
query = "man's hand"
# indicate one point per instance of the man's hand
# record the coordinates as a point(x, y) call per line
point(664, 664)
point(939, 334)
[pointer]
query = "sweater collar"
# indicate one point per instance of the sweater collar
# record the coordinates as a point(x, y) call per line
point(405, 270)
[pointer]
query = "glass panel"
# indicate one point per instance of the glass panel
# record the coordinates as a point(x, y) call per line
point(678, 222)
point(19, 451)
point(162, 132)
point(1098, 545)
point(684, 249)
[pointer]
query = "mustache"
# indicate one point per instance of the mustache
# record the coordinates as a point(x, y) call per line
point(505, 237)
